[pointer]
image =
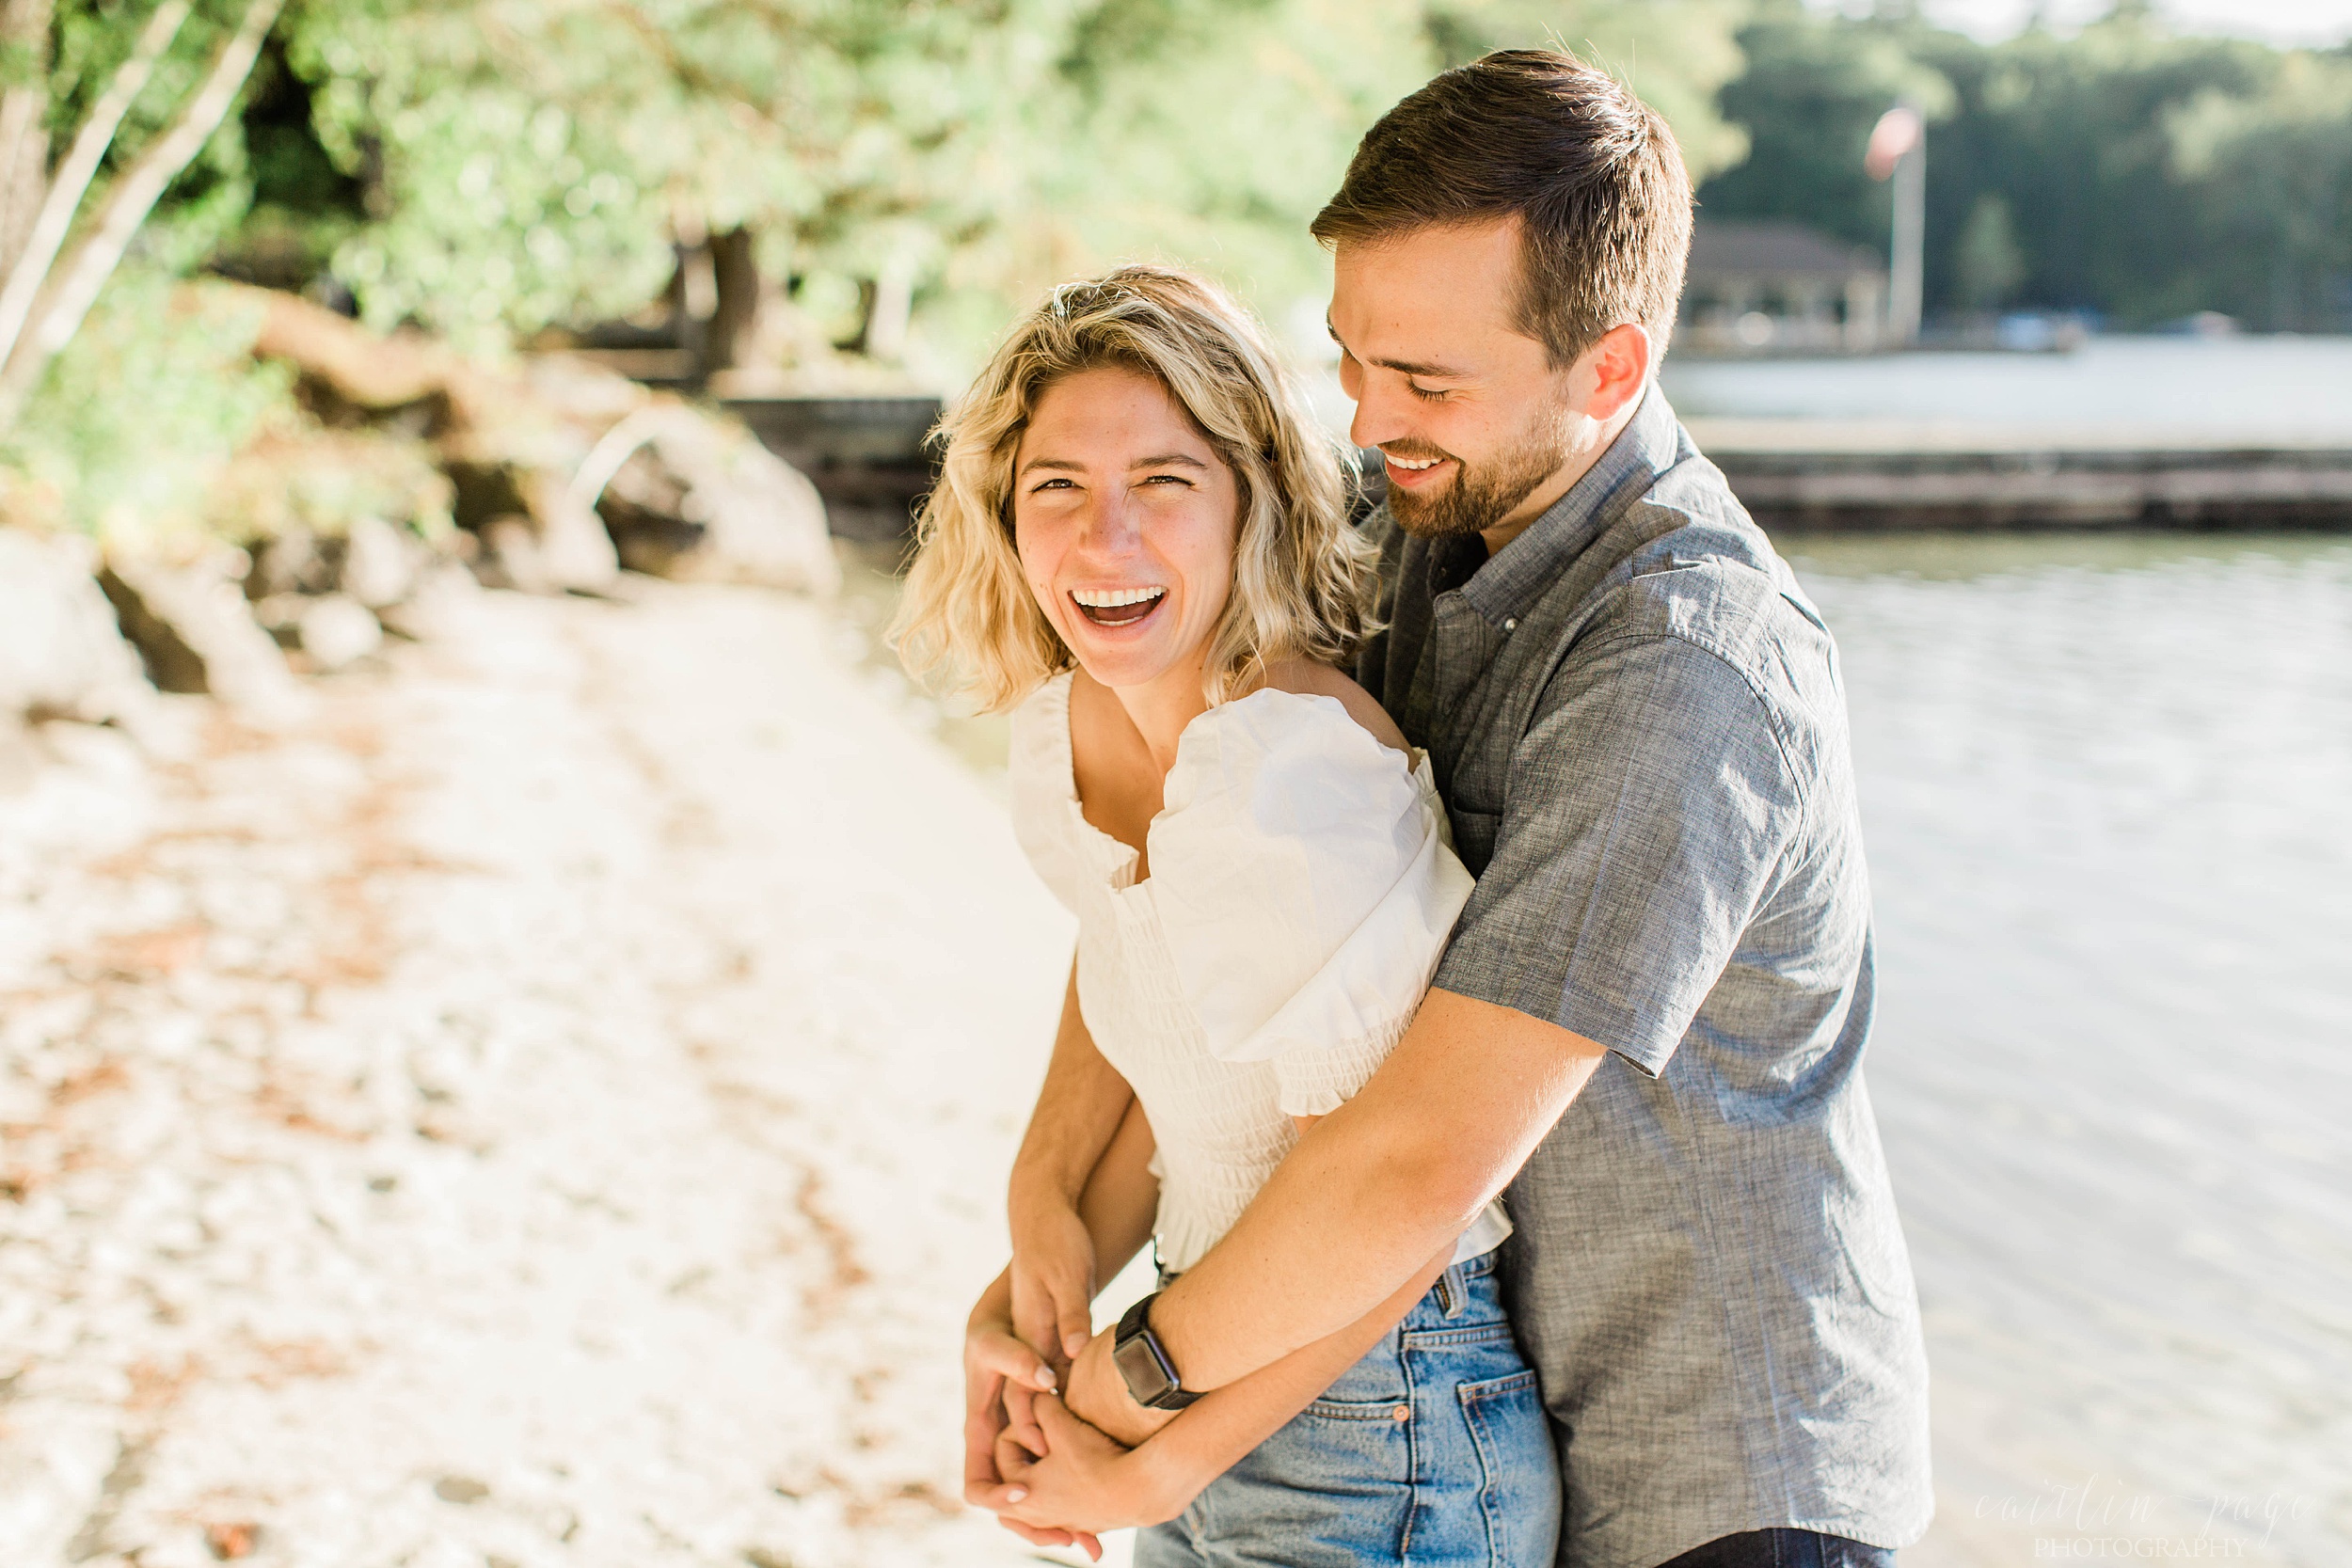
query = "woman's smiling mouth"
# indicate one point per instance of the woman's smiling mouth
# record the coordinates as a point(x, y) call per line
point(1117, 607)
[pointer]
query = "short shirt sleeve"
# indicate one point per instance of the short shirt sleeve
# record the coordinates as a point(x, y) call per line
point(1649, 809)
point(1301, 875)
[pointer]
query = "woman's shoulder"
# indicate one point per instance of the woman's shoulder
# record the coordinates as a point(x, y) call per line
point(1305, 734)
point(1304, 677)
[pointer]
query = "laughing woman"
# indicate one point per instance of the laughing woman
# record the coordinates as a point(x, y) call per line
point(1140, 547)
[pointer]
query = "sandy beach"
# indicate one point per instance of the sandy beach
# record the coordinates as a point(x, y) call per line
point(548, 1108)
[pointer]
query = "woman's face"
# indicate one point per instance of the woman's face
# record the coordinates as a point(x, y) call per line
point(1125, 520)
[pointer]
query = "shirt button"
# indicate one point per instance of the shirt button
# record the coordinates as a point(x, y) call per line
point(1509, 624)
point(1402, 1412)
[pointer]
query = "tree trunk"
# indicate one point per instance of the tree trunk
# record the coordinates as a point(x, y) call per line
point(58, 315)
point(31, 269)
point(24, 140)
point(736, 272)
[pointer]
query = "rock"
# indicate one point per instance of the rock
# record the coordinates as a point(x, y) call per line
point(510, 556)
point(687, 497)
point(380, 563)
point(296, 560)
point(569, 547)
point(336, 629)
point(193, 630)
point(446, 594)
point(61, 653)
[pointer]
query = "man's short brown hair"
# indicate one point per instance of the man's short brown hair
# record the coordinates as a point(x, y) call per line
point(1591, 172)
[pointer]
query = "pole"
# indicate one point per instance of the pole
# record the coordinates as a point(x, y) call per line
point(1907, 253)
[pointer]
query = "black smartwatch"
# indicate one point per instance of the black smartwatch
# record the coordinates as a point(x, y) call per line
point(1144, 1364)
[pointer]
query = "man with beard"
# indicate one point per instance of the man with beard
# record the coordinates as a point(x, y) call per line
point(1650, 1019)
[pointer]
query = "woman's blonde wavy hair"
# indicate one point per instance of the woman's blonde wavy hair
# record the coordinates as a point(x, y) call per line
point(1301, 574)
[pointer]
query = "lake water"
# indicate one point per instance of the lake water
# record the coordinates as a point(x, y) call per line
point(2105, 784)
point(2266, 389)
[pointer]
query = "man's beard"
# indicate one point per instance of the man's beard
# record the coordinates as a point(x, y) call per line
point(1480, 498)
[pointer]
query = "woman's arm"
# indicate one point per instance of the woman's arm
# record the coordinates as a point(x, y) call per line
point(1048, 1288)
point(1088, 1484)
point(1080, 1109)
point(1116, 1214)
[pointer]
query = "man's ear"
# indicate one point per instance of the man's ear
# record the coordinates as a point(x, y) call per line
point(1615, 370)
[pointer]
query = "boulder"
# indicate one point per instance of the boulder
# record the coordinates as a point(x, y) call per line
point(61, 653)
point(691, 497)
point(568, 546)
point(380, 563)
point(330, 629)
point(196, 633)
point(336, 629)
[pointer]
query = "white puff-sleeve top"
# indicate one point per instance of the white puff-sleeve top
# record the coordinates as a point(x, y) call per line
point(1302, 886)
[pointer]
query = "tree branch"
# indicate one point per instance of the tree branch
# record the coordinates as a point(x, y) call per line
point(59, 314)
point(79, 167)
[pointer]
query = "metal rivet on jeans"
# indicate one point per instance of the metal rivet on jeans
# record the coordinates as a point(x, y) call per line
point(1402, 1412)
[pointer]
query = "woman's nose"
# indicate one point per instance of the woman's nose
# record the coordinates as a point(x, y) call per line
point(1110, 526)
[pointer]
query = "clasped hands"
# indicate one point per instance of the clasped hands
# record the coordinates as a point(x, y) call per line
point(1051, 1439)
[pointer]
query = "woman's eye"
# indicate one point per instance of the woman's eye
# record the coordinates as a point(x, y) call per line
point(1050, 484)
point(1166, 479)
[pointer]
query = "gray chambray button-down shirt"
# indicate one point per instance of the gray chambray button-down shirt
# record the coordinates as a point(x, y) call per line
point(1636, 719)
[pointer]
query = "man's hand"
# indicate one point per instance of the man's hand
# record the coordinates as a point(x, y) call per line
point(1098, 1396)
point(1053, 1280)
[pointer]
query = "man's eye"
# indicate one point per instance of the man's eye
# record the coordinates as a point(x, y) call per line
point(1426, 394)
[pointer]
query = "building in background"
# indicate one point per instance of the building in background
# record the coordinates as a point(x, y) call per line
point(1769, 286)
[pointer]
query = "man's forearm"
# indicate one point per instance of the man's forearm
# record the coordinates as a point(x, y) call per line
point(1375, 1188)
point(1208, 1439)
point(1079, 1108)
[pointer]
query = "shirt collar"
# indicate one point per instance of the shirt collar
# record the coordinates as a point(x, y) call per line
point(1517, 574)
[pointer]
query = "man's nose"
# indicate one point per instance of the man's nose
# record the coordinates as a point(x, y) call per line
point(1380, 413)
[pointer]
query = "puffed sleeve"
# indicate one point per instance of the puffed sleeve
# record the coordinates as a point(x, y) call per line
point(1301, 875)
point(1044, 804)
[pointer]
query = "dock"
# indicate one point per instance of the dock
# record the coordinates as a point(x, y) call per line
point(1886, 475)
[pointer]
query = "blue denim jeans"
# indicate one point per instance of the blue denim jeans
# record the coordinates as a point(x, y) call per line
point(1434, 1449)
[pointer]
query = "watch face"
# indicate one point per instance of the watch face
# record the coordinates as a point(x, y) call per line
point(1146, 1379)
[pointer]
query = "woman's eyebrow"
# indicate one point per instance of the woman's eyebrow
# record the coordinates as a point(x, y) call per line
point(1063, 463)
point(1169, 460)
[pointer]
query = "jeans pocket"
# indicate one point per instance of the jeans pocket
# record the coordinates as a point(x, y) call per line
point(1519, 1494)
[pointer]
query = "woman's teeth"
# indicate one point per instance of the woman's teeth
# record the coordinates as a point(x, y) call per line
point(1117, 607)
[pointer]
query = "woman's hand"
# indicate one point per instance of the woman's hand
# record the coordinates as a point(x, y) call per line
point(1085, 1482)
point(1001, 1376)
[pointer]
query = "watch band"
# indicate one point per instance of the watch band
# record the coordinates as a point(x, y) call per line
point(1144, 1363)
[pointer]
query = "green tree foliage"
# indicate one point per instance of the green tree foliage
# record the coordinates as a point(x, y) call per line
point(528, 162)
point(2141, 174)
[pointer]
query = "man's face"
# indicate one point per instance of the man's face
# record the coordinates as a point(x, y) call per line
point(1478, 428)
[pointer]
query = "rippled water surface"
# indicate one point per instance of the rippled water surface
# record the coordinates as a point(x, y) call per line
point(2107, 788)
